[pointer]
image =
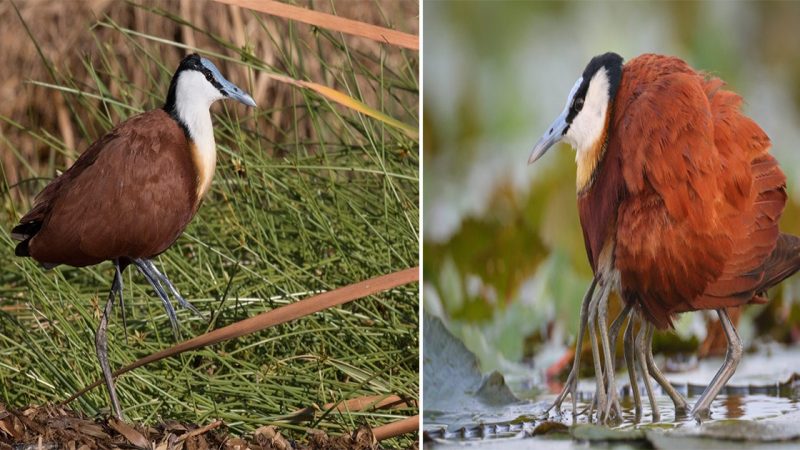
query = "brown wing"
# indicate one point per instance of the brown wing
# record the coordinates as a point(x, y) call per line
point(703, 196)
point(753, 223)
point(783, 262)
point(31, 223)
point(130, 194)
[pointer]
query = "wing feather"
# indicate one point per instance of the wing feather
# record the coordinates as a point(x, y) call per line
point(703, 196)
point(130, 194)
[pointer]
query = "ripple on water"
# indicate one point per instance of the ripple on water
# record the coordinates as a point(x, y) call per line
point(508, 432)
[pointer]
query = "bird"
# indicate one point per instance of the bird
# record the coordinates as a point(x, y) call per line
point(129, 196)
point(679, 200)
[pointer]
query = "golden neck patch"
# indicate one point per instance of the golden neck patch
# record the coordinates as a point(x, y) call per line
point(588, 159)
point(205, 161)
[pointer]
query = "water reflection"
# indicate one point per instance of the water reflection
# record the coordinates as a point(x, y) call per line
point(741, 407)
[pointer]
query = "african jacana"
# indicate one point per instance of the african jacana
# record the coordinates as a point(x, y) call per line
point(131, 194)
point(679, 201)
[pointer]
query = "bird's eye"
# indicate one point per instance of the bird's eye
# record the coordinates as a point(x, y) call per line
point(208, 76)
point(578, 104)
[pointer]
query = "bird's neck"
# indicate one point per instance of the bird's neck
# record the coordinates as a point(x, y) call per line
point(588, 160)
point(195, 117)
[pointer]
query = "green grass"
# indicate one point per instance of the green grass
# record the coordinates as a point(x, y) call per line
point(286, 217)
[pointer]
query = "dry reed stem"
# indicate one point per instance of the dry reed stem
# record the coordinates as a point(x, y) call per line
point(402, 426)
point(367, 402)
point(330, 22)
point(373, 402)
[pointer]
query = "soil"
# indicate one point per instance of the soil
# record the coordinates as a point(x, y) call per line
point(54, 427)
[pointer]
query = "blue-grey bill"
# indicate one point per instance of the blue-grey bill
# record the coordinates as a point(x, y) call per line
point(241, 96)
point(551, 138)
point(231, 90)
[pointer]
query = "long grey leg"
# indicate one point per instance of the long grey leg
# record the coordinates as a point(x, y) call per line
point(101, 343)
point(641, 341)
point(702, 409)
point(681, 406)
point(611, 386)
point(153, 280)
point(630, 360)
point(182, 301)
point(616, 325)
point(613, 334)
point(600, 393)
point(118, 276)
point(571, 386)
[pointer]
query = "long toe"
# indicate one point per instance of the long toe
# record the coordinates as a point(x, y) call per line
point(185, 303)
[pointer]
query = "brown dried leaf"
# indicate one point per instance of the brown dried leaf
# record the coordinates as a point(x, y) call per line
point(90, 429)
point(363, 439)
point(236, 444)
point(134, 437)
point(10, 426)
point(202, 443)
point(269, 437)
point(202, 430)
point(174, 426)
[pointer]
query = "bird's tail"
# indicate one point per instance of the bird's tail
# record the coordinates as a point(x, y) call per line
point(23, 233)
point(782, 263)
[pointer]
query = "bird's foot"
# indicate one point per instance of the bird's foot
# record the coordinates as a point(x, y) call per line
point(681, 409)
point(637, 414)
point(163, 278)
point(613, 411)
point(613, 415)
point(701, 414)
point(656, 415)
point(570, 388)
point(610, 420)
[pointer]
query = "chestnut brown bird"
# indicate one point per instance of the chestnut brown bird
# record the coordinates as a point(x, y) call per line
point(131, 194)
point(679, 201)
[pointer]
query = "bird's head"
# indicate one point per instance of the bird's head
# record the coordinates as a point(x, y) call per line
point(584, 120)
point(197, 84)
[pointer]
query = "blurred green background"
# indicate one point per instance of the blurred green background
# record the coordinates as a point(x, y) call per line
point(504, 259)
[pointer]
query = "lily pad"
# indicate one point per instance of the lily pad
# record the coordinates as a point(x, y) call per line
point(456, 393)
point(779, 432)
point(597, 433)
point(548, 428)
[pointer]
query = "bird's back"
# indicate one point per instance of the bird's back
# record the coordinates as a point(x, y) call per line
point(129, 195)
point(696, 196)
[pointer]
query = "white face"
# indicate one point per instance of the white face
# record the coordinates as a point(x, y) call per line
point(193, 91)
point(588, 125)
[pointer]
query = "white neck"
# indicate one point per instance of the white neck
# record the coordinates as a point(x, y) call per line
point(193, 98)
